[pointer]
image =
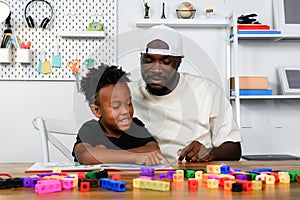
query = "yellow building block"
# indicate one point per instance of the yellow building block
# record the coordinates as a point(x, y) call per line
point(198, 175)
point(284, 178)
point(213, 169)
point(270, 179)
point(56, 170)
point(212, 183)
point(256, 185)
point(136, 183)
point(178, 178)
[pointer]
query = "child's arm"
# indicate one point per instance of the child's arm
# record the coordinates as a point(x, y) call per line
point(87, 154)
point(151, 146)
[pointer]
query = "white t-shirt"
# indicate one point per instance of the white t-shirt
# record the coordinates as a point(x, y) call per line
point(197, 109)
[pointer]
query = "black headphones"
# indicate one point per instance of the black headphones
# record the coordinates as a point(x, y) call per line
point(45, 21)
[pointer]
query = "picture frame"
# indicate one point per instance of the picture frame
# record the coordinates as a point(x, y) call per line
point(289, 80)
point(287, 16)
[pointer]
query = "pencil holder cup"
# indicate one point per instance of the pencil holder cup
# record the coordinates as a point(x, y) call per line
point(5, 55)
point(24, 55)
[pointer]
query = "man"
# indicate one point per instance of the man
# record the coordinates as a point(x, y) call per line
point(189, 116)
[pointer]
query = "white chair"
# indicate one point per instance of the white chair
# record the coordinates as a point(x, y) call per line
point(48, 128)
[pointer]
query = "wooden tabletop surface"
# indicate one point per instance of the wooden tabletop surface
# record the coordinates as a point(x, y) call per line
point(178, 191)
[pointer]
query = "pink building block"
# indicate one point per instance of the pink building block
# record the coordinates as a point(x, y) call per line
point(47, 186)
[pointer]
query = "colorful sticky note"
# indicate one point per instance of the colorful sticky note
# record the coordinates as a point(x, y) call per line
point(56, 61)
point(46, 67)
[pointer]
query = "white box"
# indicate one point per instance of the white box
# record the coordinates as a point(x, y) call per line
point(5, 55)
point(24, 55)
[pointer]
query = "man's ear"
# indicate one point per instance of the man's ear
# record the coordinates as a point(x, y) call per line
point(95, 110)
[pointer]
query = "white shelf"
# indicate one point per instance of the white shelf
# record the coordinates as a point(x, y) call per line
point(266, 97)
point(205, 22)
point(274, 37)
point(93, 34)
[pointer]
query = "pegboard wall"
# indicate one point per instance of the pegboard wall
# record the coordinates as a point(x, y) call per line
point(68, 15)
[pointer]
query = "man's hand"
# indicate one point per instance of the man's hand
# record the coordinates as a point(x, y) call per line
point(195, 152)
point(151, 158)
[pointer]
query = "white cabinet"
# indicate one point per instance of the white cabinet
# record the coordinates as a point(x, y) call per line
point(254, 44)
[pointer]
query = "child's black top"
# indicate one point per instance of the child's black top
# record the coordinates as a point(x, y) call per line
point(92, 132)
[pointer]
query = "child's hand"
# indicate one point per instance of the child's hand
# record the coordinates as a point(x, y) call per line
point(151, 158)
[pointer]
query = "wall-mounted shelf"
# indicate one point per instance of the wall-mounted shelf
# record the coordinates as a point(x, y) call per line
point(266, 97)
point(205, 22)
point(86, 34)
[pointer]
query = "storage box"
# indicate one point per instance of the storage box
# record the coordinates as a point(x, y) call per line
point(5, 55)
point(251, 82)
point(24, 55)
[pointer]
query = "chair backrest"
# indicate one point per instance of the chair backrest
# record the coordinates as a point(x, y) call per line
point(47, 128)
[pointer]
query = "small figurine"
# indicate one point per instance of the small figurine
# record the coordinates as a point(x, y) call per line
point(147, 8)
point(163, 12)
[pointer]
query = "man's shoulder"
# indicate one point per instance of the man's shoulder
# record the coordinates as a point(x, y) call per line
point(192, 78)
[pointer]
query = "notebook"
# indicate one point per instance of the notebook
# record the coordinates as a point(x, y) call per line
point(270, 157)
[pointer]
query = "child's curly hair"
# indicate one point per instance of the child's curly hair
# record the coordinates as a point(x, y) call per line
point(100, 77)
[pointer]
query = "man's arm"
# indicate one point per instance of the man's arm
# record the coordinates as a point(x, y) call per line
point(198, 153)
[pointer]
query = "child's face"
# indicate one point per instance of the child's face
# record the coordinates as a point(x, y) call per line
point(115, 107)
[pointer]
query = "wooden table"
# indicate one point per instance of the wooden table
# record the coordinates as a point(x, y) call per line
point(179, 191)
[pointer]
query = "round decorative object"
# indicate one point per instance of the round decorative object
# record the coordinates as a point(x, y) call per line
point(185, 10)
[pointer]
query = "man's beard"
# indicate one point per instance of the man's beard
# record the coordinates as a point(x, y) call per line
point(165, 89)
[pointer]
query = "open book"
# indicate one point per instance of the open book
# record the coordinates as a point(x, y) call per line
point(76, 167)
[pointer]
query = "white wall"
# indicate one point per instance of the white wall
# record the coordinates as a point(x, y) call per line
point(21, 101)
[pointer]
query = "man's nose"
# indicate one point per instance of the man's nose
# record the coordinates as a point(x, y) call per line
point(156, 67)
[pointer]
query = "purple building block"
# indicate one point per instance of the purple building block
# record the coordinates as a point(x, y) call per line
point(30, 181)
point(147, 171)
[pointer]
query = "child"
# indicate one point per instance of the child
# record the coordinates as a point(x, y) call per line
point(116, 137)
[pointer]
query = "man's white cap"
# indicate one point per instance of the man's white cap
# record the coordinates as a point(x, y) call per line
point(166, 34)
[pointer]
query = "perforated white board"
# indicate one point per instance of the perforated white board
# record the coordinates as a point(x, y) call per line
point(69, 15)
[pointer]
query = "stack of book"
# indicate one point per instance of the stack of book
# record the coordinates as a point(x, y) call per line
point(251, 85)
point(256, 29)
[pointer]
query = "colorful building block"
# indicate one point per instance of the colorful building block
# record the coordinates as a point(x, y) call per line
point(213, 169)
point(228, 185)
point(30, 181)
point(256, 185)
point(17, 182)
point(56, 170)
point(117, 186)
point(116, 177)
point(284, 178)
point(147, 171)
point(170, 174)
point(85, 186)
point(178, 177)
point(189, 173)
point(67, 184)
point(47, 186)
point(96, 174)
point(193, 184)
point(237, 187)
point(225, 169)
point(180, 171)
point(212, 183)
point(198, 175)
point(270, 179)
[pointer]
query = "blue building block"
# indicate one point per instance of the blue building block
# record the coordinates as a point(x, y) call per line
point(118, 186)
point(105, 183)
point(225, 169)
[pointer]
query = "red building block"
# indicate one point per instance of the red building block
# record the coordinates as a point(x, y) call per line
point(192, 184)
point(116, 177)
point(84, 186)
